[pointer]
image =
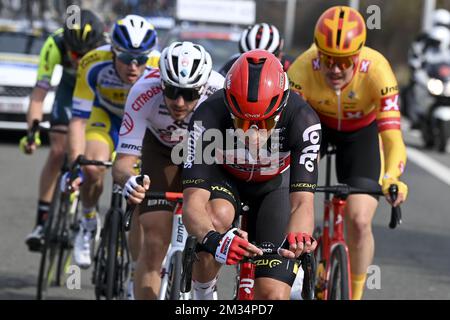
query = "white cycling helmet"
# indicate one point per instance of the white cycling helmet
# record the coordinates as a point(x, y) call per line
point(185, 65)
point(261, 36)
point(134, 34)
point(441, 17)
point(441, 36)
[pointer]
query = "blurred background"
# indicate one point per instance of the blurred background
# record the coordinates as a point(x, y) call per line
point(401, 21)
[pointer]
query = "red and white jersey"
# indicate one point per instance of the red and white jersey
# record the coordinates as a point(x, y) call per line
point(145, 108)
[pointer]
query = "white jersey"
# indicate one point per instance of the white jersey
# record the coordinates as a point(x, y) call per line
point(145, 108)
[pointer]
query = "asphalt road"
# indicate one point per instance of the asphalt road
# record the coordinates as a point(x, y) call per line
point(412, 260)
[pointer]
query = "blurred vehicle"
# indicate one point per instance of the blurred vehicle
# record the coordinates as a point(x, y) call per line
point(162, 25)
point(220, 41)
point(434, 97)
point(19, 57)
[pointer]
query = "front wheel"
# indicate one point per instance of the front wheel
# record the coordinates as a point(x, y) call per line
point(174, 285)
point(339, 281)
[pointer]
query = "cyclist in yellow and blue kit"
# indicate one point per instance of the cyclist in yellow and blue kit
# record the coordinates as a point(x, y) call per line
point(104, 77)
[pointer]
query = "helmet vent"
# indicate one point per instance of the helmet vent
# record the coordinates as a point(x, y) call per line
point(272, 104)
point(254, 73)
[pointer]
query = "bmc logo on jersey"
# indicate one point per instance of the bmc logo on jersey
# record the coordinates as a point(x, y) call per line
point(390, 103)
point(311, 152)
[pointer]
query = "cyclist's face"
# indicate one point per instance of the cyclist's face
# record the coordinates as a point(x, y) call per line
point(179, 108)
point(129, 73)
point(338, 74)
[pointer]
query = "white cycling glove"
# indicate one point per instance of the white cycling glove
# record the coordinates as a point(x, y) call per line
point(132, 183)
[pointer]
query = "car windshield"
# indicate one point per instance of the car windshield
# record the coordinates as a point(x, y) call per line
point(221, 50)
point(20, 43)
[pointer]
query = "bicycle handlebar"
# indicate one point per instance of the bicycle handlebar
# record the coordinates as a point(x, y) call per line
point(151, 195)
point(343, 191)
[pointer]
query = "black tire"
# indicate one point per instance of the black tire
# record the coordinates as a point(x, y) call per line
point(70, 227)
point(338, 285)
point(309, 278)
point(98, 275)
point(111, 260)
point(47, 266)
point(427, 135)
point(442, 135)
point(174, 285)
point(63, 235)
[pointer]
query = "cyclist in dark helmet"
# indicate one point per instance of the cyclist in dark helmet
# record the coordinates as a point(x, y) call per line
point(64, 47)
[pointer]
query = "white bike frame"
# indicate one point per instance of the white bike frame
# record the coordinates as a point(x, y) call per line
point(179, 236)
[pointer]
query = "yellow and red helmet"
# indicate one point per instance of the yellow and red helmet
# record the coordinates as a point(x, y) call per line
point(340, 31)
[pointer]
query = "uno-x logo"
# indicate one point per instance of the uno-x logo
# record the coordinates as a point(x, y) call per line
point(316, 64)
point(390, 103)
point(364, 67)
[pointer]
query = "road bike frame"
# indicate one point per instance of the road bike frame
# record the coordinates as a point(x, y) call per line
point(331, 241)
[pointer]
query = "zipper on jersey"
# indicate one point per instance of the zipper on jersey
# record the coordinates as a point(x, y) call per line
point(338, 93)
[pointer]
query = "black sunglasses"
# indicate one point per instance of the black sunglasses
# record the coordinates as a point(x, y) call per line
point(188, 94)
point(128, 58)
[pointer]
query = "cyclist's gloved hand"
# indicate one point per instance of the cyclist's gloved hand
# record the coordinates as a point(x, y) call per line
point(229, 248)
point(77, 180)
point(295, 244)
point(402, 190)
point(28, 147)
point(134, 190)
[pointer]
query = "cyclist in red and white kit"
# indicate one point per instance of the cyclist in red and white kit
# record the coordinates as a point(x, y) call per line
point(157, 113)
point(276, 179)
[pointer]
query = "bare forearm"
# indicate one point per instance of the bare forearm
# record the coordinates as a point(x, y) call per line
point(123, 168)
point(302, 215)
point(195, 215)
point(35, 108)
point(76, 139)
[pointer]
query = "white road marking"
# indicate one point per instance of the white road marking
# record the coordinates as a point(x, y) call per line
point(430, 165)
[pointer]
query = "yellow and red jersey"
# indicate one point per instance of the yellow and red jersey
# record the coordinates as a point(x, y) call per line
point(371, 95)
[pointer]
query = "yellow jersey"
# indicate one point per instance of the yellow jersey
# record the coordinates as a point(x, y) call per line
point(371, 95)
point(98, 83)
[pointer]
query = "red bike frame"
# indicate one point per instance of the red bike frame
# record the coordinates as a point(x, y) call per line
point(328, 242)
point(246, 274)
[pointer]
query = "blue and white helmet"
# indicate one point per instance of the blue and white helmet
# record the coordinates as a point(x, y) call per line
point(134, 34)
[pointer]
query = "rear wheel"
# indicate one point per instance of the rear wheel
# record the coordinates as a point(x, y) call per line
point(339, 285)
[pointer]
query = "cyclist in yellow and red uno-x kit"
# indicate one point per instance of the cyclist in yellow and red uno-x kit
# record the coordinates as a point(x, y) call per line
point(355, 93)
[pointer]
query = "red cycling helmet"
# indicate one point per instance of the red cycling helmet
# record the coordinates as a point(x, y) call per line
point(256, 86)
